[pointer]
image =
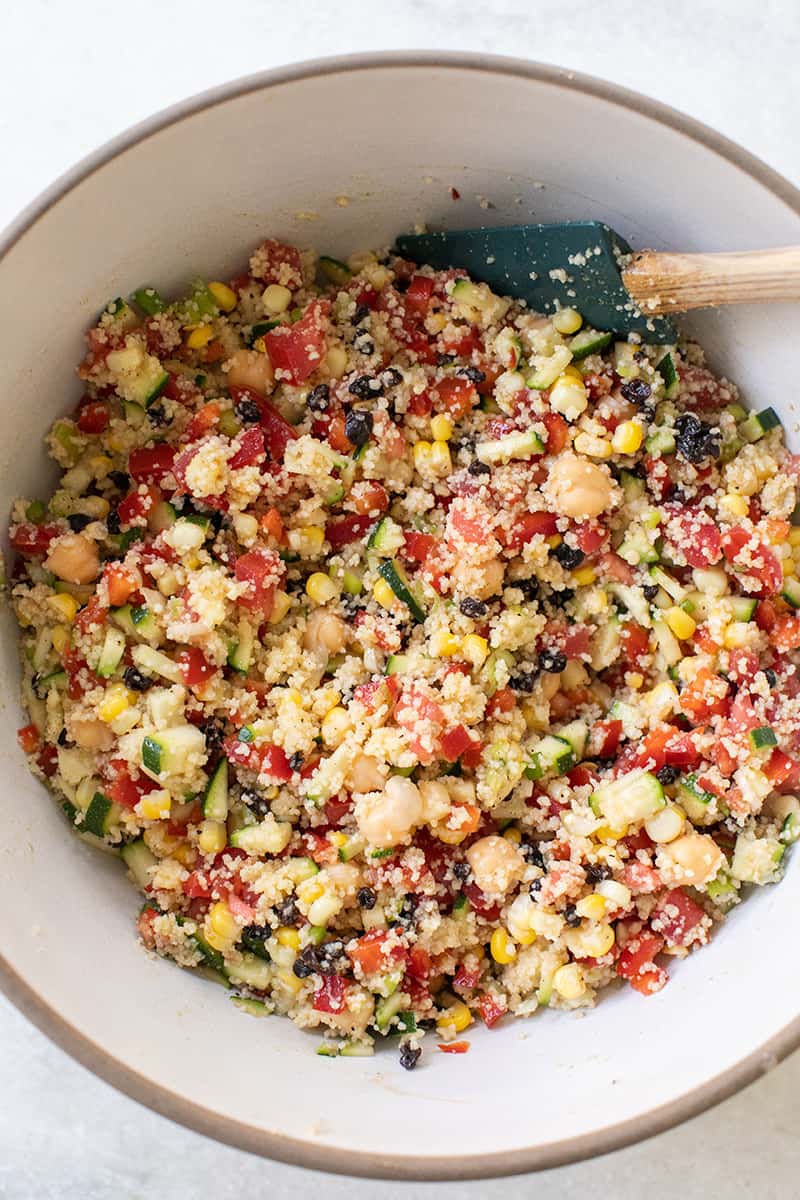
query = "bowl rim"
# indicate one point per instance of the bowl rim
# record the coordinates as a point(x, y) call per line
point(239, 1134)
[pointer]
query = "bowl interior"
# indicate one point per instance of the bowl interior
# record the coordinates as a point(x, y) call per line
point(343, 159)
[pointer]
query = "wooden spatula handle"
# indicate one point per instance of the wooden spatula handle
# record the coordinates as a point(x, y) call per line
point(665, 283)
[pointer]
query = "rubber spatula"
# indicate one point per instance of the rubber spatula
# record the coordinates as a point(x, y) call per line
point(587, 266)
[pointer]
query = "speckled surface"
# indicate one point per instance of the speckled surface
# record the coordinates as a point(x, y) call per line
point(63, 1134)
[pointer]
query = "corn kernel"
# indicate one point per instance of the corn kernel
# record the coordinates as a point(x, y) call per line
point(337, 837)
point(222, 923)
point(286, 936)
point(320, 588)
point(592, 907)
point(324, 909)
point(60, 637)
point(572, 372)
point(101, 464)
point(584, 576)
point(310, 890)
point(383, 593)
point(336, 361)
point(681, 624)
point(276, 299)
point(307, 541)
point(115, 701)
point(734, 505)
point(225, 296)
point(457, 1016)
point(794, 537)
point(185, 854)
point(568, 396)
point(502, 947)
point(591, 942)
point(280, 606)
point(615, 894)
point(422, 454)
point(441, 428)
point(567, 320)
point(213, 837)
point(607, 834)
point(335, 726)
point(788, 567)
point(569, 982)
point(665, 825)
point(444, 644)
point(155, 806)
point(199, 337)
point(738, 635)
point(435, 322)
point(634, 679)
point(593, 447)
point(440, 461)
point(64, 605)
point(475, 649)
point(512, 834)
point(554, 540)
point(289, 980)
point(628, 437)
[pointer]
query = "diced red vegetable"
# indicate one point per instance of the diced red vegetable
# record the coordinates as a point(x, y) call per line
point(261, 570)
point(33, 541)
point(453, 1047)
point(194, 666)
point(28, 738)
point(249, 449)
point(93, 417)
point(677, 917)
point(275, 262)
point(345, 530)
point(491, 1010)
point(149, 464)
point(296, 351)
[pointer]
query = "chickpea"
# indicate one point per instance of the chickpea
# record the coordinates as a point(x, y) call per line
point(365, 774)
point(346, 878)
point(251, 369)
point(74, 558)
point(691, 859)
point(579, 488)
point(496, 864)
point(91, 735)
point(481, 580)
point(388, 817)
point(325, 632)
point(435, 800)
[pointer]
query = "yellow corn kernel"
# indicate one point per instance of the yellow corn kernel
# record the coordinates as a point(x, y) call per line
point(734, 505)
point(307, 541)
point(435, 322)
point(60, 637)
point(422, 455)
point(200, 336)
point(101, 464)
point(383, 593)
point(554, 540)
point(276, 299)
point(681, 624)
point(512, 834)
point(568, 396)
point(222, 922)
point(336, 361)
point(320, 588)
point(788, 567)
point(738, 634)
point(443, 644)
point(584, 576)
point(502, 948)
point(593, 447)
point(280, 606)
point(628, 437)
point(593, 942)
point(116, 442)
point(335, 726)
point(155, 805)
point(337, 837)
point(185, 854)
point(794, 537)
point(567, 320)
point(475, 649)
point(288, 937)
point(225, 296)
point(289, 980)
point(115, 701)
point(96, 507)
point(457, 1016)
point(606, 833)
point(441, 427)
point(310, 890)
point(64, 605)
point(592, 907)
point(569, 982)
point(440, 460)
point(572, 372)
point(213, 837)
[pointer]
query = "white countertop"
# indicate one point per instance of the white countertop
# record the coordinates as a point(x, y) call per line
point(76, 74)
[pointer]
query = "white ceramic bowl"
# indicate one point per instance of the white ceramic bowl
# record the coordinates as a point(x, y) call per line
point(190, 191)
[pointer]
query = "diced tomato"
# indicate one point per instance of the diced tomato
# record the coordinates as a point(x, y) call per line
point(742, 716)
point(766, 616)
point(198, 886)
point(635, 963)
point(453, 1047)
point(503, 701)
point(28, 738)
point(121, 583)
point(296, 351)
point(203, 421)
point(33, 541)
point(272, 523)
point(676, 917)
point(658, 478)
point(149, 464)
point(144, 926)
point(137, 505)
point(249, 448)
point(581, 775)
point(194, 666)
point(371, 952)
point(693, 534)
point(277, 431)
point(491, 1010)
point(454, 742)
point(782, 771)
point(634, 643)
point(465, 979)
point(419, 292)
point(262, 571)
point(331, 995)
point(485, 907)
point(705, 696)
point(421, 405)
point(589, 536)
point(528, 526)
point(786, 633)
point(47, 760)
point(471, 757)
point(754, 559)
point(120, 787)
point(369, 498)
point(681, 751)
point(615, 567)
point(455, 396)
point(93, 417)
point(557, 432)
point(376, 693)
point(347, 529)
point(276, 262)
point(604, 738)
point(417, 546)
point(468, 519)
point(419, 963)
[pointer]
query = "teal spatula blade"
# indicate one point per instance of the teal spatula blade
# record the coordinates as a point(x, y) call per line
point(520, 261)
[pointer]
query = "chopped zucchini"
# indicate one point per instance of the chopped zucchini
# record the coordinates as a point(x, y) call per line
point(525, 444)
point(636, 548)
point(394, 575)
point(388, 1008)
point(251, 971)
point(215, 799)
point(743, 608)
point(169, 751)
point(634, 797)
point(255, 1008)
point(762, 738)
point(552, 755)
point(240, 652)
point(334, 271)
point(267, 837)
point(386, 537)
point(101, 816)
point(397, 664)
point(135, 621)
point(668, 372)
point(155, 662)
point(756, 860)
point(589, 341)
point(757, 424)
point(547, 369)
point(138, 859)
point(111, 653)
point(148, 300)
point(791, 592)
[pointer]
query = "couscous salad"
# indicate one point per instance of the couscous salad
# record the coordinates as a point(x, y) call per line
point(427, 661)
